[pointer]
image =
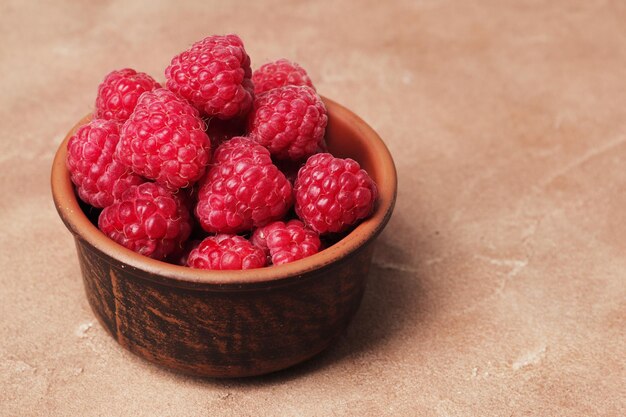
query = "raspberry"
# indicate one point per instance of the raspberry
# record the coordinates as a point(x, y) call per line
point(333, 193)
point(226, 252)
point(289, 121)
point(239, 148)
point(119, 92)
point(278, 74)
point(149, 220)
point(164, 140)
point(99, 179)
point(286, 242)
point(242, 190)
point(214, 75)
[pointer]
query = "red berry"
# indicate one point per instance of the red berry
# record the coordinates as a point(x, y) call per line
point(289, 121)
point(149, 220)
point(242, 190)
point(119, 92)
point(226, 252)
point(286, 242)
point(241, 148)
point(164, 140)
point(333, 193)
point(214, 75)
point(99, 179)
point(278, 74)
point(259, 236)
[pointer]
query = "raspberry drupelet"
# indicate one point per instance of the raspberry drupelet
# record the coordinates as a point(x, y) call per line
point(99, 179)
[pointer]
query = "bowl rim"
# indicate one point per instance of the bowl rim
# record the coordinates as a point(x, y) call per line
point(81, 227)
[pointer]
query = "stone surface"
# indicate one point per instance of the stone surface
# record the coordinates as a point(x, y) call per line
point(499, 287)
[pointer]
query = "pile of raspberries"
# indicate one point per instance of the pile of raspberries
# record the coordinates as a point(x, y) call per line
point(239, 153)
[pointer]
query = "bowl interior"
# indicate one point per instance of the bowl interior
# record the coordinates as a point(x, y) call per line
point(347, 136)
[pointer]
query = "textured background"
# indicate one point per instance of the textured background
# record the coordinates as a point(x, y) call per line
point(499, 287)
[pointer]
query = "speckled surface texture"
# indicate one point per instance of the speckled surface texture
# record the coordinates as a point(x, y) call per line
point(499, 286)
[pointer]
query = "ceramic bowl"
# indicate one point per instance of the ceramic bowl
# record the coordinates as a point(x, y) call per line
point(231, 323)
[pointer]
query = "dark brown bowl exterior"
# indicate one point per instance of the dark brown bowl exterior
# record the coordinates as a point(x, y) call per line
point(234, 323)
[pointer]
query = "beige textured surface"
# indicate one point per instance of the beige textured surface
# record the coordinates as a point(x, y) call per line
point(499, 287)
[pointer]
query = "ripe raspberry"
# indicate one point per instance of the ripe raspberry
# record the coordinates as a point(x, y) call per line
point(242, 190)
point(119, 92)
point(278, 74)
point(226, 252)
point(239, 148)
point(286, 242)
point(290, 121)
point(99, 179)
point(164, 140)
point(149, 220)
point(214, 75)
point(333, 193)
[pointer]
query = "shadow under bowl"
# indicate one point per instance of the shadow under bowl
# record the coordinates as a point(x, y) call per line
point(232, 323)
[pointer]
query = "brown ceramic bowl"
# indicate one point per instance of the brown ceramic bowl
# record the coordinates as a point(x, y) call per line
point(232, 323)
